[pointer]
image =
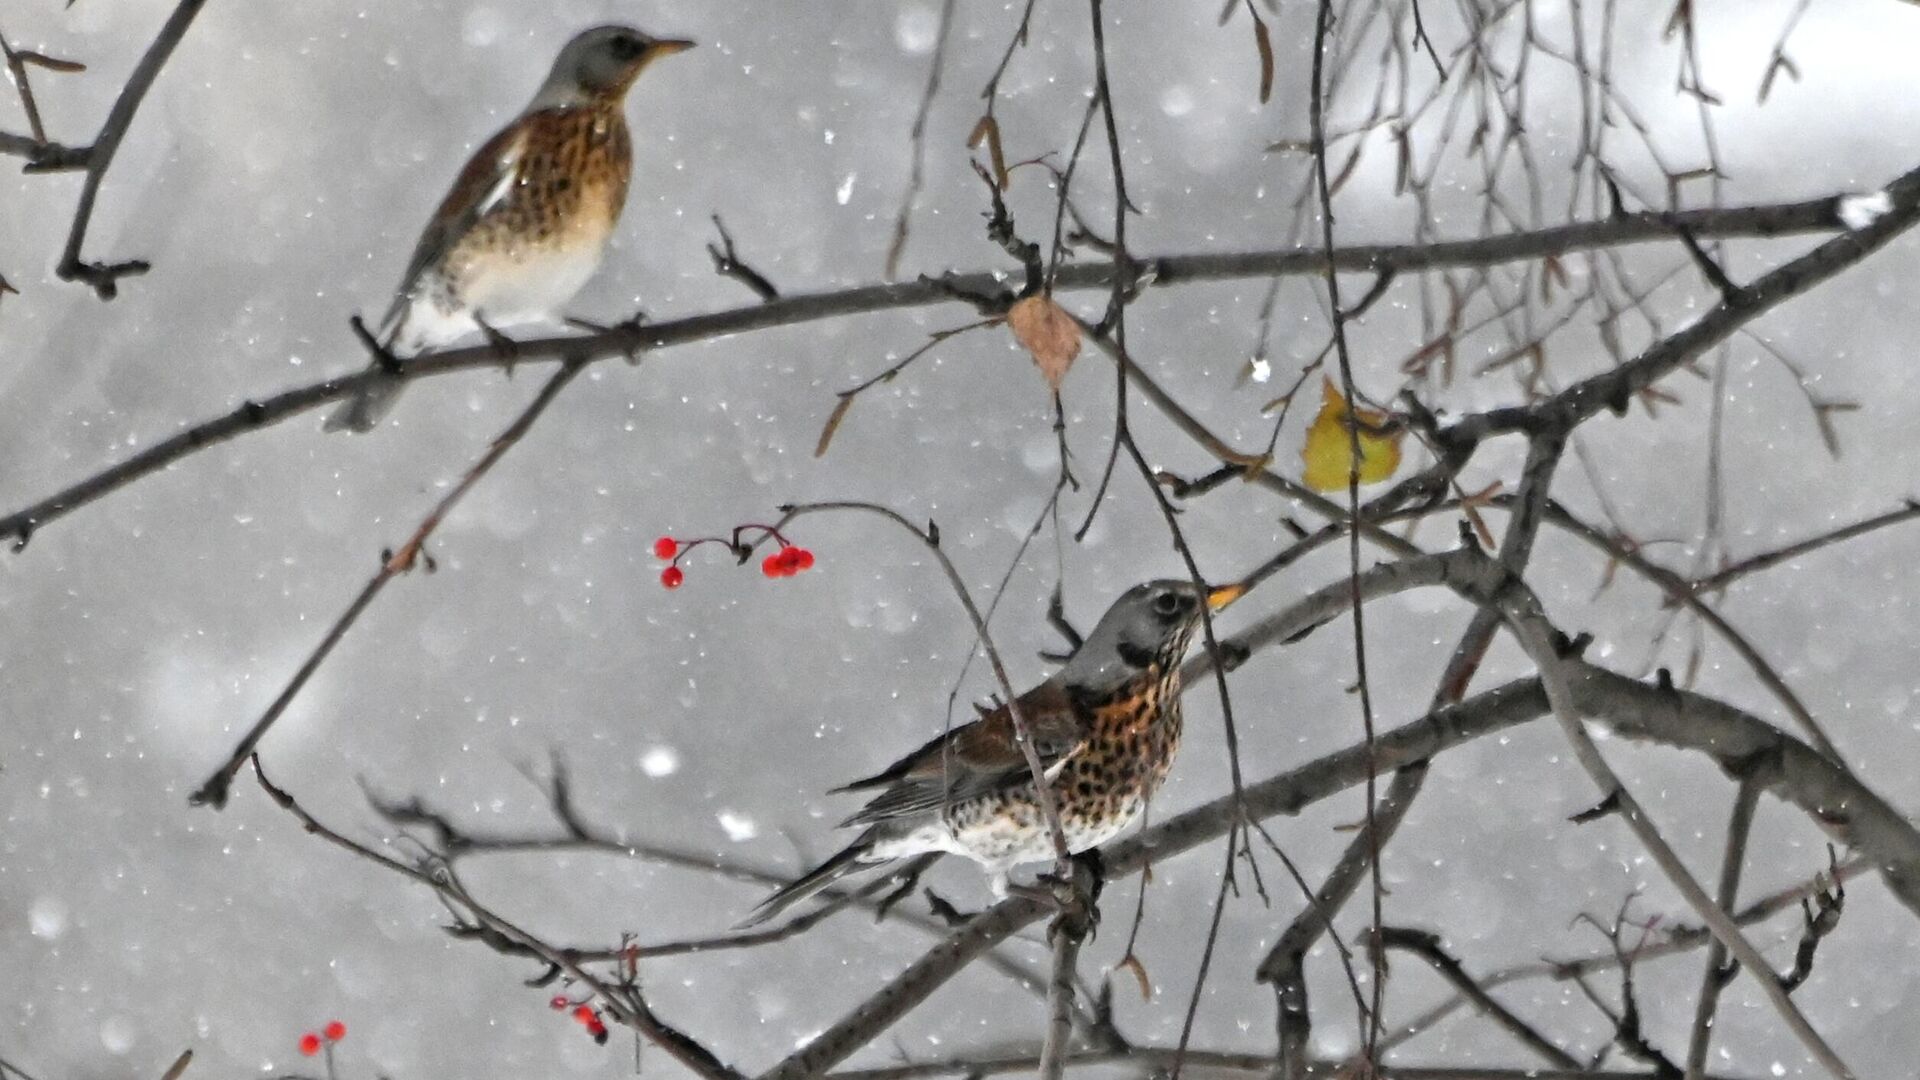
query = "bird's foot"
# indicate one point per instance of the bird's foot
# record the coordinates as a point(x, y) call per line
point(1233, 654)
point(1076, 898)
point(631, 325)
point(507, 349)
point(383, 357)
point(944, 910)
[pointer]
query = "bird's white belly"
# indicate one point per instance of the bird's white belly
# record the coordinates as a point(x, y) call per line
point(532, 285)
point(529, 287)
point(1001, 841)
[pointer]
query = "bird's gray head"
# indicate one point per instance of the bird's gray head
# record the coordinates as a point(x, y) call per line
point(601, 61)
point(1149, 625)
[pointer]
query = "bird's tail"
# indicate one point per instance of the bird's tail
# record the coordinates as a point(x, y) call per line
point(854, 857)
point(364, 412)
point(368, 407)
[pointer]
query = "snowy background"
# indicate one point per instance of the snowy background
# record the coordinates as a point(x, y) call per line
point(277, 176)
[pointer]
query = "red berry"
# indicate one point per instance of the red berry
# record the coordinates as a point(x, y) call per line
point(672, 577)
point(803, 558)
point(773, 565)
point(336, 1031)
point(559, 1002)
point(599, 1032)
point(309, 1044)
point(665, 548)
point(586, 1015)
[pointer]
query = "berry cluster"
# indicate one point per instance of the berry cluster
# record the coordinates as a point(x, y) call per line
point(584, 1014)
point(311, 1043)
point(787, 561)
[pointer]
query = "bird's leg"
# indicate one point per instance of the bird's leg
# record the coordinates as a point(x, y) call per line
point(901, 883)
point(944, 910)
point(1076, 897)
point(383, 357)
point(505, 347)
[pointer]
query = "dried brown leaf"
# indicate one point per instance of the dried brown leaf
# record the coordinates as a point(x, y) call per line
point(1048, 333)
point(51, 63)
point(1263, 41)
point(1132, 963)
point(987, 130)
point(833, 424)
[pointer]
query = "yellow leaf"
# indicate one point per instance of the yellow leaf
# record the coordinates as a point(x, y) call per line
point(1328, 451)
point(1047, 332)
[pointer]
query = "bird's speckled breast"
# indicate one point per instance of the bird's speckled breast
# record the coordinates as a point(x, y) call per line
point(1100, 791)
point(534, 250)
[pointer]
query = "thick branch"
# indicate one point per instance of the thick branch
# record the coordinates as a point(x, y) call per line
point(1818, 215)
point(1529, 624)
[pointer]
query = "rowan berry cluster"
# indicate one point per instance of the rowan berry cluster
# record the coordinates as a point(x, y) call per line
point(584, 1014)
point(312, 1042)
point(787, 560)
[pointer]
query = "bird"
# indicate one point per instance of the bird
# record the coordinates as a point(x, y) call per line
point(1106, 727)
point(526, 222)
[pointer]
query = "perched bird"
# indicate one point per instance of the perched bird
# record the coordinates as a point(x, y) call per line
point(527, 220)
point(1106, 727)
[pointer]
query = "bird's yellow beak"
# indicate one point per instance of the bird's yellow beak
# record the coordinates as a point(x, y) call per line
point(1221, 595)
point(669, 46)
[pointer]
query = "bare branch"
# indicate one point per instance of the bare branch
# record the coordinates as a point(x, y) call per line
point(103, 277)
point(392, 564)
point(1775, 220)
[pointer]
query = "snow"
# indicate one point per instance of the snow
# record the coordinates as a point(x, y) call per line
point(1860, 211)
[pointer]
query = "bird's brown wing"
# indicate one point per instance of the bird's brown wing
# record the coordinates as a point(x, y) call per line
point(975, 759)
point(486, 181)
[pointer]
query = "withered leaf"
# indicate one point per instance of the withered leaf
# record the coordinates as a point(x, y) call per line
point(833, 424)
point(1048, 333)
point(51, 63)
point(1328, 451)
point(1132, 963)
point(988, 131)
point(1264, 42)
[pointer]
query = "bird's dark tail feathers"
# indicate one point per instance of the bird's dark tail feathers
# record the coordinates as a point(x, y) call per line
point(849, 860)
point(366, 409)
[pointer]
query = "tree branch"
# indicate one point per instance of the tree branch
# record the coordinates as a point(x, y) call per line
point(103, 276)
point(1817, 215)
point(214, 791)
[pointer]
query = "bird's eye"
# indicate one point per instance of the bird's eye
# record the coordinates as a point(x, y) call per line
point(626, 48)
point(1167, 604)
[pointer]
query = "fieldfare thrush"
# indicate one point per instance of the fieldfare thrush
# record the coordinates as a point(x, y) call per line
point(1106, 727)
point(527, 221)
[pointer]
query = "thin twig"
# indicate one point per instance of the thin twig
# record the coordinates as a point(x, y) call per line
point(917, 140)
point(622, 1001)
point(103, 277)
point(1316, 112)
point(1427, 947)
point(930, 537)
point(1717, 973)
point(214, 791)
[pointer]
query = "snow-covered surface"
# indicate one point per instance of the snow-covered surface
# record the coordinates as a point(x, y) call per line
point(276, 178)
